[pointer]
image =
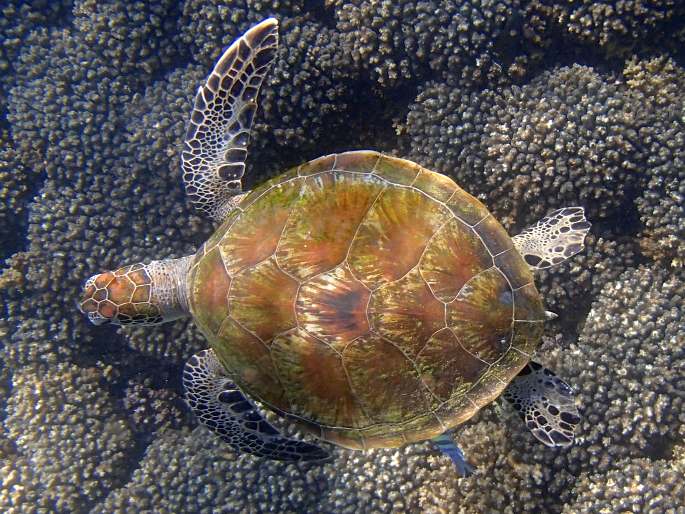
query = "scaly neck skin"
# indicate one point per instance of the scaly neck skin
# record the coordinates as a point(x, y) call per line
point(169, 288)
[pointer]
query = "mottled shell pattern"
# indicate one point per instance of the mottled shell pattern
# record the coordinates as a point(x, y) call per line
point(368, 298)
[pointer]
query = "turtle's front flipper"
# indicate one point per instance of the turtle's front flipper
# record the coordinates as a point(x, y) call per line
point(218, 132)
point(546, 404)
point(221, 406)
point(554, 238)
point(446, 445)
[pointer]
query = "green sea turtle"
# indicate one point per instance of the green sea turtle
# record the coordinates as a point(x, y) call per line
point(370, 300)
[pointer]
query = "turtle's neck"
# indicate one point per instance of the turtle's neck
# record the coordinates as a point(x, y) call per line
point(170, 286)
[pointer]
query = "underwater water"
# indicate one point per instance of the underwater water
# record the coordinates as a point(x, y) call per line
point(529, 105)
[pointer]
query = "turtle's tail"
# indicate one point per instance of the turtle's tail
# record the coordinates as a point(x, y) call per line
point(140, 294)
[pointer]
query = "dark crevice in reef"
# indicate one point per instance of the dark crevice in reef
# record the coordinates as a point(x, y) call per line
point(13, 239)
point(660, 447)
point(319, 11)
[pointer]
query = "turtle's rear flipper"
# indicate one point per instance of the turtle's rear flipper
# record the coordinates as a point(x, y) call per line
point(546, 404)
point(446, 445)
point(555, 238)
point(221, 406)
point(215, 148)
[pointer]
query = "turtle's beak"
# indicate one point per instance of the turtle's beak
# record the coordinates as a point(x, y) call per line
point(93, 317)
point(97, 320)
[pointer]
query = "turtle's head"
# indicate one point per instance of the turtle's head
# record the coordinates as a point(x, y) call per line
point(139, 294)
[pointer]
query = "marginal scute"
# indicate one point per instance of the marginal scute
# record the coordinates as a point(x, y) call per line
point(385, 381)
point(220, 232)
point(489, 386)
point(320, 230)
point(397, 171)
point(453, 257)
point(362, 161)
point(347, 438)
point(249, 362)
point(493, 235)
point(388, 435)
point(527, 304)
point(324, 163)
point(515, 268)
point(467, 208)
point(262, 300)
point(446, 368)
point(315, 379)
point(456, 410)
point(256, 193)
point(435, 185)
point(482, 315)
point(423, 427)
point(526, 336)
point(255, 234)
point(210, 284)
point(509, 365)
point(333, 306)
point(394, 234)
point(406, 312)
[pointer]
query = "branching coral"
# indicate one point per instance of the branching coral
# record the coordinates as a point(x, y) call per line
point(465, 43)
point(194, 472)
point(615, 27)
point(69, 436)
point(13, 191)
point(661, 83)
point(151, 409)
point(569, 137)
point(88, 213)
point(630, 383)
point(634, 485)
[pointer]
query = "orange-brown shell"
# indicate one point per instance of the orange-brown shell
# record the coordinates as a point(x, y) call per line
point(371, 299)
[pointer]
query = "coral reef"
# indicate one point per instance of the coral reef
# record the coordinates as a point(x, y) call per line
point(614, 27)
point(153, 408)
point(570, 136)
point(465, 43)
point(661, 83)
point(632, 386)
point(72, 443)
point(13, 190)
point(637, 485)
point(185, 471)
point(498, 94)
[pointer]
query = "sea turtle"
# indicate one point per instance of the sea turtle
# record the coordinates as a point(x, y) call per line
point(370, 300)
